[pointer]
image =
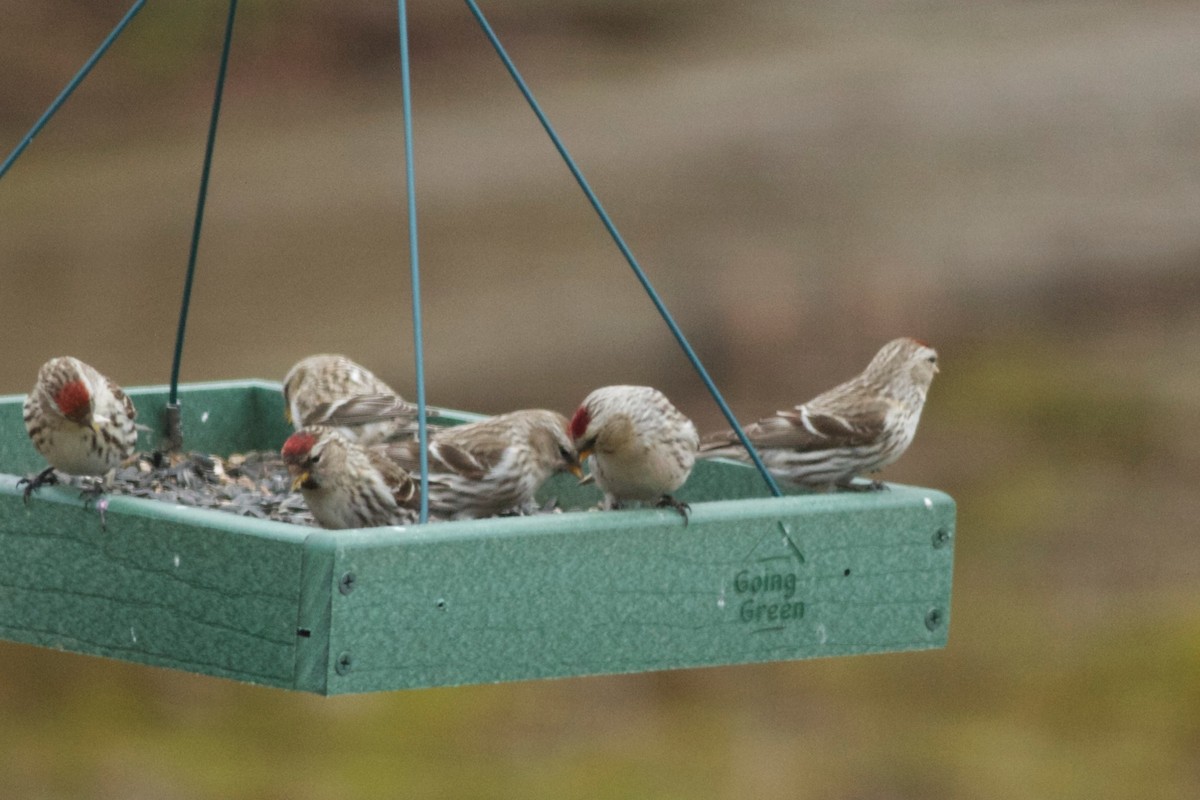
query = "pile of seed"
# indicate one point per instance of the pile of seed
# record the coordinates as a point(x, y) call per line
point(254, 484)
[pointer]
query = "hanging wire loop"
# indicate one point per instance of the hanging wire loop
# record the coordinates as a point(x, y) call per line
point(413, 259)
point(624, 248)
point(70, 88)
point(173, 436)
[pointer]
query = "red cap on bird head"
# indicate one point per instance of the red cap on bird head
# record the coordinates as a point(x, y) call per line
point(579, 423)
point(74, 401)
point(298, 445)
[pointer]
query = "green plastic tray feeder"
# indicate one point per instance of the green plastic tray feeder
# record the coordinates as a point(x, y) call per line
point(751, 578)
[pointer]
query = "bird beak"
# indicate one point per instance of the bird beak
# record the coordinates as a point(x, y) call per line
point(287, 415)
point(575, 470)
point(300, 479)
point(578, 470)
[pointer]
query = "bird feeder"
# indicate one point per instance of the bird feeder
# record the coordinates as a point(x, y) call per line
point(750, 578)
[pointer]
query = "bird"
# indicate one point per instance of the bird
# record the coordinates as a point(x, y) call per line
point(642, 448)
point(332, 391)
point(493, 466)
point(80, 421)
point(858, 427)
point(348, 485)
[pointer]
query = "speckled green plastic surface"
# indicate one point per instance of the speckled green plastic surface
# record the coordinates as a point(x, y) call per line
point(751, 578)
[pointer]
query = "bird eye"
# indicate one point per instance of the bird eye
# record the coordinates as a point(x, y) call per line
point(315, 458)
point(932, 359)
point(564, 452)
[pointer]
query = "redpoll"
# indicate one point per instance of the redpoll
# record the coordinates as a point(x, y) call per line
point(346, 485)
point(79, 420)
point(333, 391)
point(858, 427)
point(642, 448)
point(492, 466)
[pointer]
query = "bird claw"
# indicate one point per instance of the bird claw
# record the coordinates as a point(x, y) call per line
point(91, 491)
point(667, 501)
point(101, 504)
point(46, 476)
point(93, 495)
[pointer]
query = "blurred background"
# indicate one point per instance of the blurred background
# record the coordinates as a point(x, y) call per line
point(1017, 183)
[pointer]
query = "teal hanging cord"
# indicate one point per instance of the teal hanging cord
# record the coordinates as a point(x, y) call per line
point(625, 251)
point(413, 260)
point(174, 431)
point(70, 87)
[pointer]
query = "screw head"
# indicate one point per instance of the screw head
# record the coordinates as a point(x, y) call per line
point(934, 619)
point(343, 664)
point(347, 583)
point(941, 538)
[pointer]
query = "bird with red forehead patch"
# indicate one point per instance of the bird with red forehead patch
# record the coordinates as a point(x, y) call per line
point(348, 485)
point(858, 427)
point(334, 392)
point(642, 448)
point(493, 466)
point(80, 421)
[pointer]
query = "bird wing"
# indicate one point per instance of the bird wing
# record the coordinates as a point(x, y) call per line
point(820, 430)
point(808, 428)
point(477, 448)
point(360, 410)
point(444, 456)
point(404, 488)
point(456, 459)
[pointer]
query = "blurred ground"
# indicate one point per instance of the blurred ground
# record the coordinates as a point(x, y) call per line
point(1017, 183)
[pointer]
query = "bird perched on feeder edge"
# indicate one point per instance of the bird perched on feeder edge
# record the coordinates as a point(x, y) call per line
point(80, 421)
point(642, 448)
point(857, 427)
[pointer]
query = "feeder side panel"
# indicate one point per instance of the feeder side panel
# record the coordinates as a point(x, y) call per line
point(162, 585)
point(579, 594)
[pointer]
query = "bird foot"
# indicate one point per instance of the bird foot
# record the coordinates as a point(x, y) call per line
point(666, 501)
point(92, 495)
point(43, 478)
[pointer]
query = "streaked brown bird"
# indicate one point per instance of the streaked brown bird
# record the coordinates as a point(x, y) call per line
point(80, 421)
point(334, 392)
point(493, 466)
point(858, 427)
point(642, 448)
point(348, 485)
